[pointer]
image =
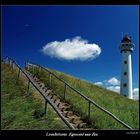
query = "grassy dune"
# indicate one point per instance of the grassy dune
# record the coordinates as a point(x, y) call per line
point(125, 109)
point(20, 110)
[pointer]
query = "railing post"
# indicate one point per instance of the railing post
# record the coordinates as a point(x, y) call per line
point(12, 64)
point(28, 86)
point(6, 60)
point(50, 79)
point(32, 68)
point(18, 73)
point(9, 61)
point(65, 87)
point(46, 107)
point(89, 105)
point(25, 64)
point(37, 70)
point(2, 61)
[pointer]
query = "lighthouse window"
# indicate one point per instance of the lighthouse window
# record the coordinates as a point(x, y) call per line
point(125, 73)
point(124, 84)
point(125, 62)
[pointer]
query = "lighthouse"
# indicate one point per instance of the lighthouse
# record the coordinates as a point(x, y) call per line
point(126, 49)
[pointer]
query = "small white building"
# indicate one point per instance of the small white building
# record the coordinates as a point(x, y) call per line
point(126, 49)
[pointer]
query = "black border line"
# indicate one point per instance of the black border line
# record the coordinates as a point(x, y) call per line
point(69, 2)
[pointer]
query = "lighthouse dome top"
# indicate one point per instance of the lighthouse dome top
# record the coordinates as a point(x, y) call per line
point(126, 44)
point(126, 39)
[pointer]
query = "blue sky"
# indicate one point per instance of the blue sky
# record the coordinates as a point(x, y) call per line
point(26, 29)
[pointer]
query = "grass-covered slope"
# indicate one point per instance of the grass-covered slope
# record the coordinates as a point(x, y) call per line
point(125, 109)
point(20, 110)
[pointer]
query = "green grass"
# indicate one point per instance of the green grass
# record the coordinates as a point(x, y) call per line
point(125, 109)
point(22, 110)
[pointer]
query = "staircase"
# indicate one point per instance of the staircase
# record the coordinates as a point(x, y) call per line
point(64, 108)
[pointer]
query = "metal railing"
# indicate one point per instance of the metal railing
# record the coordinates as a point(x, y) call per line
point(28, 64)
point(14, 65)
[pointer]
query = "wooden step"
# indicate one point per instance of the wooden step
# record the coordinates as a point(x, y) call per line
point(38, 82)
point(77, 122)
point(64, 108)
point(43, 88)
point(54, 98)
point(63, 104)
point(75, 125)
point(82, 125)
point(49, 96)
point(31, 76)
point(46, 89)
point(57, 101)
point(69, 113)
point(41, 85)
point(65, 113)
point(48, 92)
point(74, 119)
point(36, 79)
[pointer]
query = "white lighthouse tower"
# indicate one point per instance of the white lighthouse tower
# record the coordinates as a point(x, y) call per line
point(126, 49)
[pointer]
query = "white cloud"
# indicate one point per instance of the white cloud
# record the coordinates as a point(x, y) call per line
point(113, 81)
point(113, 84)
point(74, 49)
point(114, 88)
point(136, 93)
point(117, 89)
point(98, 83)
